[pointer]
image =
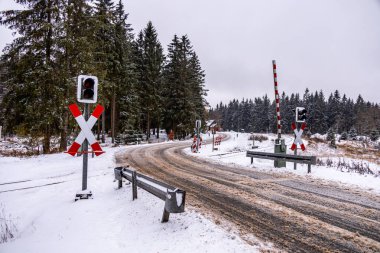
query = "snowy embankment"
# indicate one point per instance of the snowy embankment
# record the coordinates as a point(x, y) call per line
point(233, 151)
point(48, 220)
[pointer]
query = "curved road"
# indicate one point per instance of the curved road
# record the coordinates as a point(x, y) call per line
point(294, 213)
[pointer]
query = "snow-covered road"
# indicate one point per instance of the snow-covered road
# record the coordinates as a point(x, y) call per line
point(296, 213)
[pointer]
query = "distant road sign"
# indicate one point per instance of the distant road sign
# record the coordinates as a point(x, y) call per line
point(198, 124)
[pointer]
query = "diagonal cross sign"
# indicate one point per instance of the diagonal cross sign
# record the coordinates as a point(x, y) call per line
point(86, 127)
point(298, 134)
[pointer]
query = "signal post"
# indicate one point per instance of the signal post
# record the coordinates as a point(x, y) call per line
point(87, 93)
point(300, 118)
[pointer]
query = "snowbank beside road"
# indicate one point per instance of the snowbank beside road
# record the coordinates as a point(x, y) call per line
point(48, 219)
point(233, 151)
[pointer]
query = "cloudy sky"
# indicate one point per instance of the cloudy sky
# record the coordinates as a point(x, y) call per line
point(325, 44)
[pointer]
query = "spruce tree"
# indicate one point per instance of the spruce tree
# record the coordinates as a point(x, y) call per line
point(125, 72)
point(352, 134)
point(183, 91)
point(75, 39)
point(150, 67)
point(32, 72)
point(374, 135)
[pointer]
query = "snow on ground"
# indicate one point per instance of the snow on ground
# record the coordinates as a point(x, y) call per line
point(48, 219)
point(233, 151)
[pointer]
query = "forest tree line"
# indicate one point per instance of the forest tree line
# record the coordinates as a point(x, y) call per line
point(337, 113)
point(140, 87)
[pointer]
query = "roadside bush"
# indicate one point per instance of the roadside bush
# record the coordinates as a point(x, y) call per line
point(344, 166)
point(374, 135)
point(344, 136)
point(259, 138)
point(8, 229)
point(330, 134)
point(352, 133)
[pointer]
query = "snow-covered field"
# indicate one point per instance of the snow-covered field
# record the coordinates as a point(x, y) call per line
point(48, 220)
point(233, 151)
point(37, 196)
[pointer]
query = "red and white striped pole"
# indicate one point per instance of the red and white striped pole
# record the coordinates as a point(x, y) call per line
point(277, 96)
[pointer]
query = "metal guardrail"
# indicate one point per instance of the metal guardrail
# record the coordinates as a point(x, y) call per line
point(174, 198)
point(309, 160)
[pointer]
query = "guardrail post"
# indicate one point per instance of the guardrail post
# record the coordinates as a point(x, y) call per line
point(165, 216)
point(118, 176)
point(309, 168)
point(134, 185)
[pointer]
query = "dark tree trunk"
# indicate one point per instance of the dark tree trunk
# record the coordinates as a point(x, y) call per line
point(113, 113)
point(103, 127)
point(63, 141)
point(158, 127)
point(46, 141)
point(148, 126)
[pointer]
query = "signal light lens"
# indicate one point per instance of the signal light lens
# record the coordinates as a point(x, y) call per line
point(88, 94)
point(88, 86)
point(89, 83)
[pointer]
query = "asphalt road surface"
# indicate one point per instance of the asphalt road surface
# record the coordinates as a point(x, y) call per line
point(296, 214)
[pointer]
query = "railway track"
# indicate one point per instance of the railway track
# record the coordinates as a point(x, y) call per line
point(293, 213)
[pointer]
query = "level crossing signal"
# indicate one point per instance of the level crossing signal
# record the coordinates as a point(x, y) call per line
point(301, 114)
point(298, 134)
point(87, 89)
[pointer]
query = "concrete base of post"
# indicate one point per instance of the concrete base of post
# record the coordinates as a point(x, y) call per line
point(85, 194)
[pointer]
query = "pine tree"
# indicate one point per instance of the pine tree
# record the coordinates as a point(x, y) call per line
point(352, 134)
point(122, 71)
point(32, 72)
point(360, 115)
point(150, 67)
point(344, 136)
point(331, 138)
point(374, 135)
point(125, 72)
point(74, 38)
point(319, 116)
point(183, 92)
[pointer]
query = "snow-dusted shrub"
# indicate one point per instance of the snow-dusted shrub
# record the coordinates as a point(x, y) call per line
point(345, 166)
point(259, 138)
point(359, 167)
point(330, 134)
point(374, 135)
point(8, 229)
point(328, 163)
point(320, 162)
point(352, 133)
point(344, 136)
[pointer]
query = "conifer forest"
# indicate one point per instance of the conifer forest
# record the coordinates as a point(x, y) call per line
point(336, 113)
point(140, 87)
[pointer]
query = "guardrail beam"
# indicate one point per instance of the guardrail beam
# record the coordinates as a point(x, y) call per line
point(310, 160)
point(174, 198)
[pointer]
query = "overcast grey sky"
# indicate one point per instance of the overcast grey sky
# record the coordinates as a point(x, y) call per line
point(324, 44)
